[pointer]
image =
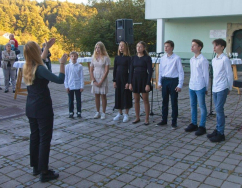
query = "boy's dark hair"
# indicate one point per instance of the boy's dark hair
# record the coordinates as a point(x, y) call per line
point(170, 42)
point(221, 42)
point(199, 43)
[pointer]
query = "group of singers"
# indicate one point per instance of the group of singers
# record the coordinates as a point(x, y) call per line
point(129, 75)
point(171, 77)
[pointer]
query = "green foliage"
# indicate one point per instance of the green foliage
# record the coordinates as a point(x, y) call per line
point(76, 27)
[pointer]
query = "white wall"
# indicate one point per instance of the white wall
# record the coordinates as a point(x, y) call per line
point(155, 9)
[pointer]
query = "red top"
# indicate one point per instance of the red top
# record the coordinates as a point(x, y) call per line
point(16, 43)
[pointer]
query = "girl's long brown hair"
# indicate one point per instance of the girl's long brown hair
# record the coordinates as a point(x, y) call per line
point(126, 49)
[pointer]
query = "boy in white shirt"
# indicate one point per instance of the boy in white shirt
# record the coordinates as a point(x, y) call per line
point(171, 77)
point(222, 85)
point(198, 87)
point(74, 83)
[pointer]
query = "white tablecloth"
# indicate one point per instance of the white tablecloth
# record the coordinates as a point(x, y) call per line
point(19, 64)
point(236, 61)
point(154, 59)
point(84, 59)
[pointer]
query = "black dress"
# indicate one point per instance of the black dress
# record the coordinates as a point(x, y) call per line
point(123, 97)
point(140, 73)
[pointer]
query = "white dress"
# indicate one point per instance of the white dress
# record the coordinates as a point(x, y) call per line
point(98, 73)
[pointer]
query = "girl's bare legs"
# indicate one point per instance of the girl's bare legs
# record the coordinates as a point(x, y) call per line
point(147, 106)
point(97, 101)
point(104, 102)
point(137, 105)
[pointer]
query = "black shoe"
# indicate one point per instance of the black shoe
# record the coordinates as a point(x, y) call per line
point(36, 171)
point(51, 175)
point(162, 123)
point(200, 131)
point(0, 88)
point(191, 128)
point(71, 115)
point(214, 133)
point(218, 138)
point(174, 126)
point(6, 90)
point(13, 91)
point(79, 115)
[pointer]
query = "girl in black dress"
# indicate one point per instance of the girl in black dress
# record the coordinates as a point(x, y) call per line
point(123, 96)
point(139, 79)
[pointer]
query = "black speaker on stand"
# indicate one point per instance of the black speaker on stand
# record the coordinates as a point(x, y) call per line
point(124, 31)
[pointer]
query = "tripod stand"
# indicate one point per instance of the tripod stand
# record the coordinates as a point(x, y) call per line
point(211, 87)
point(152, 96)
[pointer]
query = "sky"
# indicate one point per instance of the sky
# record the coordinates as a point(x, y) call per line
point(72, 1)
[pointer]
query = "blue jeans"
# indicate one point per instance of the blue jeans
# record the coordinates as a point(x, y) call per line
point(219, 101)
point(198, 95)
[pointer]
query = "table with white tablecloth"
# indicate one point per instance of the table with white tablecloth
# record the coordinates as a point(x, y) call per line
point(88, 61)
point(18, 89)
point(235, 62)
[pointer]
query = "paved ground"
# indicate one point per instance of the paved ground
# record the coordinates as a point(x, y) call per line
point(96, 153)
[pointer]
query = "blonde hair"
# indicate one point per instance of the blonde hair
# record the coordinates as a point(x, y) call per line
point(32, 55)
point(126, 49)
point(102, 48)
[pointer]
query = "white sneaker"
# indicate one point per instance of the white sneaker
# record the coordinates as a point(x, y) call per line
point(117, 117)
point(126, 118)
point(97, 115)
point(103, 115)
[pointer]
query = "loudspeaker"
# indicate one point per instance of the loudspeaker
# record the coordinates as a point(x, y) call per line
point(124, 31)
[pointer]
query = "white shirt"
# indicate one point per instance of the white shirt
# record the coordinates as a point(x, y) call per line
point(171, 67)
point(222, 73)
point(199, 77)
point(74, 77)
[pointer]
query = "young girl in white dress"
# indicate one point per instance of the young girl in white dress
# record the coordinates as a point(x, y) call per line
point(99, 69)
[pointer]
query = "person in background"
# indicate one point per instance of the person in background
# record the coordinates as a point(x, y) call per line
point(8, 59)
point(47, 60)
point(140, 80)
point(123, 96)
point(74, 83)
point(198, 87)
point(11, 37)
point(0, 61)
point(99, 69)
point(222, 85)
point(39, 106)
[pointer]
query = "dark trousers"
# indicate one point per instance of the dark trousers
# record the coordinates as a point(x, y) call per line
point(40, 138)
point(71, 100)
point(168, 89)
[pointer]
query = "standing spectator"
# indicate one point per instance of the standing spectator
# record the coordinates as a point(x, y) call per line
point(39, 106)
point(99, 69)
point(11, 37)
point(8, 59)
point(47, 60)
point(74, 83)
point(0, 60)
point(123, 96)
point(139, 79)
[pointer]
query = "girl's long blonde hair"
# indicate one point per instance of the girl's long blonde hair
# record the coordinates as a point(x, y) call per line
point(32, 55)
point(102, 48)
